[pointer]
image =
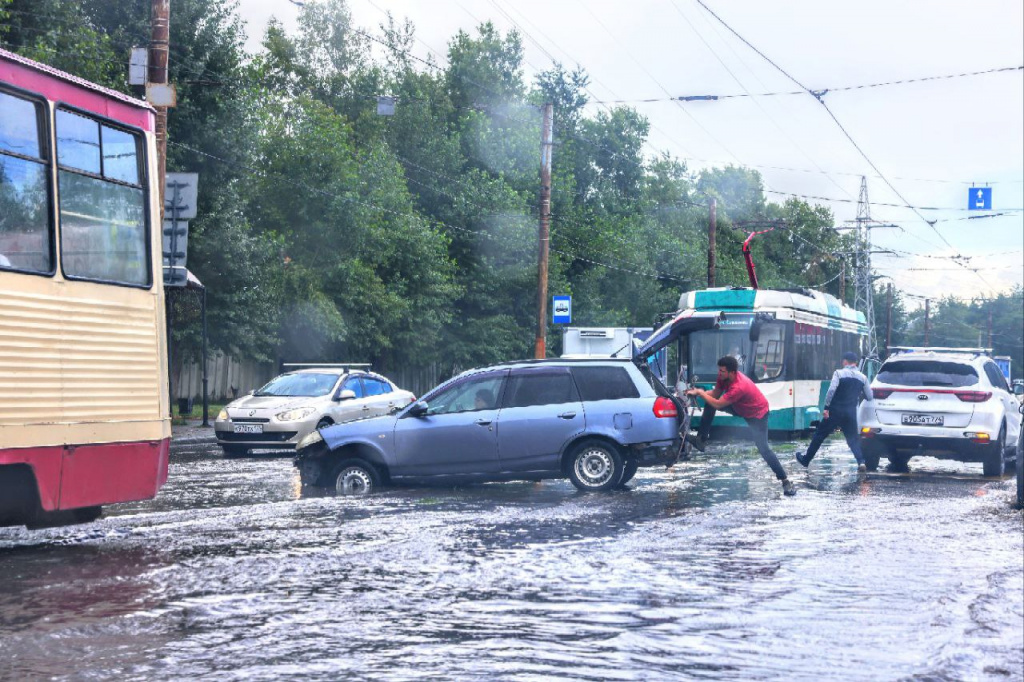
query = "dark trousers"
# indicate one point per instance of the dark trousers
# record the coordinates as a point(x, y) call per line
point(758, 431)
point(844, 419)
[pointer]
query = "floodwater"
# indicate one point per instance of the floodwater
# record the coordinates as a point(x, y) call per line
point(702, 571)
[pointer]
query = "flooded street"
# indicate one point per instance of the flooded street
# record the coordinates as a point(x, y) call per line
point(702, 571)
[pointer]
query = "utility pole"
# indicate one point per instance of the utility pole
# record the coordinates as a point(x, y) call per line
point(160, 21)
point(842, 281)
point(712, 229)
point(927, 320)
point(544, 238)
point(990, 326)
point(888, 318)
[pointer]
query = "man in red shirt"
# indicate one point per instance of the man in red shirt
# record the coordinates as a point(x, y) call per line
point(738, 395)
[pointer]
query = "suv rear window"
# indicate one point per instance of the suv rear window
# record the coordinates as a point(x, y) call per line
point(927, 373)
point(604, 383)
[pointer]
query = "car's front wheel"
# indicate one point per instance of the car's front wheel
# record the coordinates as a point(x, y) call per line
point(355, 477)
point(595, 466)
point(992, 464)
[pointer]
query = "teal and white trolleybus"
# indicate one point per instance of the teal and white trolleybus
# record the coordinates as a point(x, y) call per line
point(788, 341)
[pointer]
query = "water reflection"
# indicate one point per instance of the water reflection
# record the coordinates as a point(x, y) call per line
point(701, 570)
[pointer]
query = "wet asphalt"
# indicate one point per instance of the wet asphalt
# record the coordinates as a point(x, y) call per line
point(702, 571)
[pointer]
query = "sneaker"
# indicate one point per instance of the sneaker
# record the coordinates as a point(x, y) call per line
point(803, 459)
point(862, 468)
point(788, 488)
point(697, 442)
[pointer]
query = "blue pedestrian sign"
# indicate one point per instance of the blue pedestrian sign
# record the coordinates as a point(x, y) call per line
point(561, 309)
point(979, 199)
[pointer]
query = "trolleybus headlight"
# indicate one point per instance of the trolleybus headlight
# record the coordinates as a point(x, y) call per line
point(313, 438)
point(296, 415)
point(222, 416)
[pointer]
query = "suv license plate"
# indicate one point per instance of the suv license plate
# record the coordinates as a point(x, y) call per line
point(248, 428)
point(921, 420)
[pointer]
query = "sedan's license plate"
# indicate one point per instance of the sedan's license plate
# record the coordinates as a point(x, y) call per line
point(922, 420)
point(248, 428)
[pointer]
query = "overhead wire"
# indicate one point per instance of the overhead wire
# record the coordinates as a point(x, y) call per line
point(820, 98)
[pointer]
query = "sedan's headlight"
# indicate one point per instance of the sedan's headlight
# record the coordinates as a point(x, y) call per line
point(222, 416)
point(312, 439)
point(296, 414)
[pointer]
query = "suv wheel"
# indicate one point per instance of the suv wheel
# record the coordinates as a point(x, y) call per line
point(355, 477)
point(595, 466)
point(871, 458)
point(992, 464)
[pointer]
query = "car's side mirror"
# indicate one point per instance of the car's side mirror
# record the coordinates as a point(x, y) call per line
point(418, 409)
point(1018, 389)
point(347, 394)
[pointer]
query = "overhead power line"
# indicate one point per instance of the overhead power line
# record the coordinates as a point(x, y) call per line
point(819, 96)
point(819, 93)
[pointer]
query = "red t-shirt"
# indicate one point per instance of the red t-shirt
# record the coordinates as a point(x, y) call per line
point(745, 398)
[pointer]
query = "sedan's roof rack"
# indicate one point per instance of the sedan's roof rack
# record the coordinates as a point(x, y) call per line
point(939, 349)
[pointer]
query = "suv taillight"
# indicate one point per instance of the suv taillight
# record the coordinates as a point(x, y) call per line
point(665, 408)
point(881, 393)
point(973, 396)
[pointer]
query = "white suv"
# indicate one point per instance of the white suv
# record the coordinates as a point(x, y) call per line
point(948, 403)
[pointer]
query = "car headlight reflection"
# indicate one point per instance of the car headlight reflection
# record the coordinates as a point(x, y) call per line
point(296, 414)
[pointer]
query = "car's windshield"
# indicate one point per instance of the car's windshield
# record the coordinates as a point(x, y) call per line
point(927, 373)
point(312, 384)
point(706, 347)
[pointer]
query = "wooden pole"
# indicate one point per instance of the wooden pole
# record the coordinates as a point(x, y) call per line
point(544, 232)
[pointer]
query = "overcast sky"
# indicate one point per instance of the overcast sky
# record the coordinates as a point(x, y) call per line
point(932, 140)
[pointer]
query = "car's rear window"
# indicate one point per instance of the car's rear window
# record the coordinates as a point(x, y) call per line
point(927, 373)
point(604, 383)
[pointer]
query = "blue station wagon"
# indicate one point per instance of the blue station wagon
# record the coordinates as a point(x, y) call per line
point(593, 421)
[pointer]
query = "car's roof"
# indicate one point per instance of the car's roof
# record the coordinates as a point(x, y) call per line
point(939, 356)
point(511, 364)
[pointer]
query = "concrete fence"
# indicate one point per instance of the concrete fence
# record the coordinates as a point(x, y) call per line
point(229, 377)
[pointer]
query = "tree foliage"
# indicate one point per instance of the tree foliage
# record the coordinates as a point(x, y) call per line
point(327, 232)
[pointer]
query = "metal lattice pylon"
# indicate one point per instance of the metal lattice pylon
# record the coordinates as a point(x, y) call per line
point(863, 297)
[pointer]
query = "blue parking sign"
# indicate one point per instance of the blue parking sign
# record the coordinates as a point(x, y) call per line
point(979, 199)
point(561, 309)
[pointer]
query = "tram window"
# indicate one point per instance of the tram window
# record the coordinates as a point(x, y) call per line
point(102, 202)
point(25, 234)
point(770, 353)
point(78, 142)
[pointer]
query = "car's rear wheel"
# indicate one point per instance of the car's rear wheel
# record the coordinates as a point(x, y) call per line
point(992, 464)
point(595, 466)
point(629, 471)
point(898, 463)
point(355, 477)
point(231, 451)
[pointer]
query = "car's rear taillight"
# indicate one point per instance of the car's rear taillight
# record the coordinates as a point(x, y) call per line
point(881, 393)
point(664, 408)
point(973, 396)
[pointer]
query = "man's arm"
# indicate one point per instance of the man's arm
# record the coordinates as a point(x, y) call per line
point(869, 395)
point(831, 393)
point(712, 398)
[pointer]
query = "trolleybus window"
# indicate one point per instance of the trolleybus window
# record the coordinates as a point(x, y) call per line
point(25, 234)
point(706, 347)
point(770, 353)
point(102, 202)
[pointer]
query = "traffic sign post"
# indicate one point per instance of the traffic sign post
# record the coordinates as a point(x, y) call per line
point(979, 199)
point(183, 192)
point(561, 309)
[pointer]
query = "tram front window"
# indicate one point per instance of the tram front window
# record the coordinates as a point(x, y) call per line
point(707, 347)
